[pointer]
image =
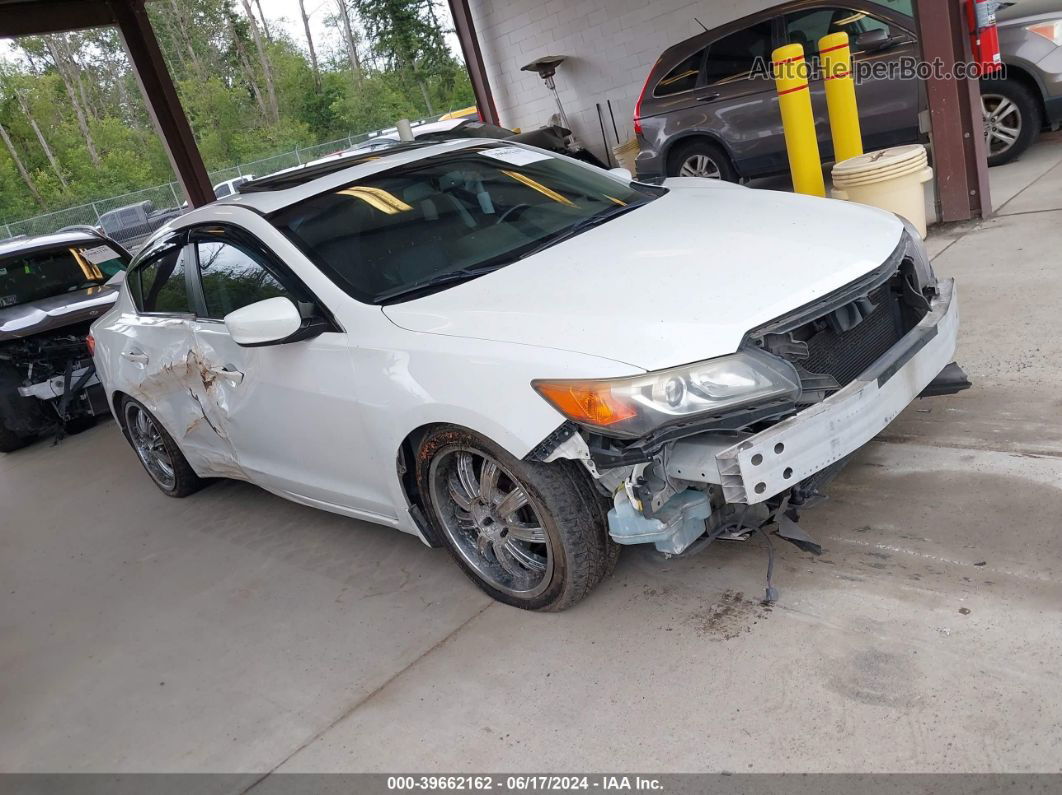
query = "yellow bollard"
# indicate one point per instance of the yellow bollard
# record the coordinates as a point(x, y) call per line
point(836, 58)
point(798, 119)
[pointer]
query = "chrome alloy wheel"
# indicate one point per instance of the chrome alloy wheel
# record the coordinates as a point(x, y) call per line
point(149, 445)
point(700, 166)
point(491, 522)
point(1002, 123)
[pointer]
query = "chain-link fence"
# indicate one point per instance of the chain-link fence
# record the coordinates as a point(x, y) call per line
point(129, 218)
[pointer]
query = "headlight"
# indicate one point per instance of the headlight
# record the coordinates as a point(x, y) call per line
point(634, 406)
point(1052, 31)
point(916, 250)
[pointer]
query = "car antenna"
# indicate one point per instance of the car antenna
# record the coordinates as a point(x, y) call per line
point(701, 24)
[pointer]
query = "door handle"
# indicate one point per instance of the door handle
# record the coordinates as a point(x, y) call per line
point(134, 356)
point(230, 375)
point(708, 97)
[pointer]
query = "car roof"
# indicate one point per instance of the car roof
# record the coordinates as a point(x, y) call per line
point(20, 244)
point(269, 194)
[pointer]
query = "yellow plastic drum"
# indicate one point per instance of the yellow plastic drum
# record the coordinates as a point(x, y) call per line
point(891, 179)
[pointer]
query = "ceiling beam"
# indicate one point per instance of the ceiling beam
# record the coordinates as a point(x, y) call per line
point(36, 17)
point(465, 28)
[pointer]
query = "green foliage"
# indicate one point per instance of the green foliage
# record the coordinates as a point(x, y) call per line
point(407, 71)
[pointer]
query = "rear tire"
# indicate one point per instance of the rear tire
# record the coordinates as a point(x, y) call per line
point(160, 456)
point(1012, 119)
point(547, 552)
point(701, 158)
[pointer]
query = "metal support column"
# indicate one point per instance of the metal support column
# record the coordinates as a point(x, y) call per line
point(466, 35)
point(960, 159)
point(161, 96)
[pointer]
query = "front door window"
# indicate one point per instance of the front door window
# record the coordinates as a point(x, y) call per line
point(234, 278)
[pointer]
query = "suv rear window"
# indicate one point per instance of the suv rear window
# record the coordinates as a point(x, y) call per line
point(42, 274)
point(682, 78)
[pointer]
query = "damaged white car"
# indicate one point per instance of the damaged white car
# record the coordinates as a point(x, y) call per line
point(522, 358)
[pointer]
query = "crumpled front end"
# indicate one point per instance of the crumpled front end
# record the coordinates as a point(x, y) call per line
point(862, 354)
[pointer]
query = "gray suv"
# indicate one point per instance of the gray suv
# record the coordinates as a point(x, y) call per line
point(705, 112)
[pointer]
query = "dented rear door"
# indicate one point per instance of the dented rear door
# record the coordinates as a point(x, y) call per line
point(158, 362)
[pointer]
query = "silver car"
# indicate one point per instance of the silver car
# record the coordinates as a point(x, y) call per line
point(706, 112)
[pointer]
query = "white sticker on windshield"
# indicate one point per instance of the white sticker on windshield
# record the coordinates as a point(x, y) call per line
point(99, 254)
point(515, 155)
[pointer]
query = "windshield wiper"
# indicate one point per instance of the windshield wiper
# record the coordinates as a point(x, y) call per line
point(439, 280)
point(580, 226)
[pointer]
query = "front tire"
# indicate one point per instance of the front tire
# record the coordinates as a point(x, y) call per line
point(531, 535)
point(160, 456)
point(1012, 119)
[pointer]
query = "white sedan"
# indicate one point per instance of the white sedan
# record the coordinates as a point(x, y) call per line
point(522, 358)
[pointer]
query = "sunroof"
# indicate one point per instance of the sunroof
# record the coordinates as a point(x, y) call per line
point(300, 176)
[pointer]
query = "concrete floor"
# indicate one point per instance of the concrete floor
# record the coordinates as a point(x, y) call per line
point(234, 631)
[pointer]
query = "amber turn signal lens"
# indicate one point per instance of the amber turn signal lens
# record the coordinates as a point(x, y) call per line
point(592, 404)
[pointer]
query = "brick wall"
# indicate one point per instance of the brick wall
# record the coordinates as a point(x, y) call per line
point(610, 46)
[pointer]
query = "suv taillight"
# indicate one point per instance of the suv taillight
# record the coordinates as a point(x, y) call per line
point(638, 104)
point(90, 343)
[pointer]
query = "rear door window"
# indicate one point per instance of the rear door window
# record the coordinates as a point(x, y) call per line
point(683, 77)
point(160, 286)
point(733, 57)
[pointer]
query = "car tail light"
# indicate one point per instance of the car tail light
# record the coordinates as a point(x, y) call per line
point(90, 343)
point(638, 104)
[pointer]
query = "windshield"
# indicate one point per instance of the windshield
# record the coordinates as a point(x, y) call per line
point(467, 211)
point(25, 278)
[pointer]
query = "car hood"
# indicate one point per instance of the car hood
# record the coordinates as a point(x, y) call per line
point(65, 309)
point(676, 281)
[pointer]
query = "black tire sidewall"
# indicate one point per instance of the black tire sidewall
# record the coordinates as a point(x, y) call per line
point(185, 481)
point(1031, 122)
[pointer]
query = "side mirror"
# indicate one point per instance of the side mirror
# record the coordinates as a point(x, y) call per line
point(267, 322)
point(874, 41)
point(622, 173)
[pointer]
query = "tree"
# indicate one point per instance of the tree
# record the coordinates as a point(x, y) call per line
point(263, 57)
point(351, 43)
point(42, 141)
point(21, 168)
point(309, 44)
point(59, 50)
point(407, 36)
